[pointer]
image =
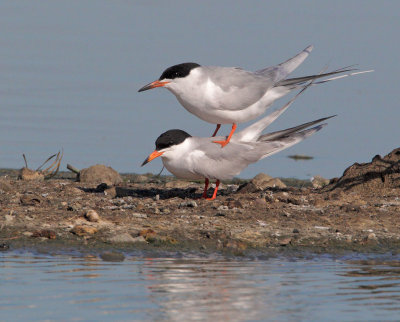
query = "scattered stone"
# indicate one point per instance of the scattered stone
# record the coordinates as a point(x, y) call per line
point(138, 215)
point(27, 234)
point(156, 197)
point(319, 182)
point(223, 208)
point(46, 233)
point(263, 181)
point(296, 231)
point(9, 218)
point(29, 200)
point(321, 227)
point(112, 257)
point(231, 203)
point(248, 187)
point(189, 203)
point(92, 215)
point(285, 241)
point(98, 174)
point(81, 230)
point(372, 237)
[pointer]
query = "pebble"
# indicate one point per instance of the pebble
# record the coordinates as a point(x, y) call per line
point(296, 231)
point(372, 237)
point(285, 241)
point(189, 203)
point(9, 218)
point(92, 215)
point(81, 230)
point(138, 215)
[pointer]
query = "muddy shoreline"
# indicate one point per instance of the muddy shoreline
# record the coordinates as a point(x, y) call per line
point(358, 212)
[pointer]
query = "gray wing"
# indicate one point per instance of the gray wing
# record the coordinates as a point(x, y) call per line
point(281, 71)
point(236, 88)
point(223, 163)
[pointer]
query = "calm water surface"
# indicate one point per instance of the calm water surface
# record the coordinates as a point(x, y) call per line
point(66, 287)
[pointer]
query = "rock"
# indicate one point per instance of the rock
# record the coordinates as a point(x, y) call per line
point(178, 184)
point(138, 215)
point(260, 179)
point(295, 231)
point(319, 182)
point(263, 181)
point(112, 257)
point(81, 230)
point(372, 237)
point(126, 238)
point(98, 174)
point(189, 203)
point(285, 241)
point(148, 234)
point(248, 187)
point(92, 215)
point(46, 233)
point(29, 200)
point(27, 234)
point(29, 175)
point(373, 176)
point(231, 203)
point(9, 218)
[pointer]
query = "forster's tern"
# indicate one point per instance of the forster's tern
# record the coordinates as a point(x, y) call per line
point(190, 157)
point(228, 95)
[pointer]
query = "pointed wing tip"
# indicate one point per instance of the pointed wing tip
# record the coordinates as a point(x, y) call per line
point(309, 48)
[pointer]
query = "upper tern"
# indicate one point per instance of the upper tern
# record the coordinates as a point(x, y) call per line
point(231, 95)
point(191, 157)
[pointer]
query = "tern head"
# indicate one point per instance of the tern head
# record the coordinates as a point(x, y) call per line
point(170, 74)
point(166, 142)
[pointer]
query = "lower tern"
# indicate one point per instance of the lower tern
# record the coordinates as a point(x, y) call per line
point(190, 157)
point(231, 95)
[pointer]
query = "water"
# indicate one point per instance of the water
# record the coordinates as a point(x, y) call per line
point(318, 288)
point(70, 71)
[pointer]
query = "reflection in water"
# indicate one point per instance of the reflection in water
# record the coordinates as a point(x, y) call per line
point(76, 288)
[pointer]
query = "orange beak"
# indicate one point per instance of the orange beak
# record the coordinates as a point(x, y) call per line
point(153, 155)
point(154, 84)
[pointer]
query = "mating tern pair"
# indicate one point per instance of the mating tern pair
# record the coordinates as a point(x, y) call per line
point(226, 95)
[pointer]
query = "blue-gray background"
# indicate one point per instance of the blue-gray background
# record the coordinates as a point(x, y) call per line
point(70, 71)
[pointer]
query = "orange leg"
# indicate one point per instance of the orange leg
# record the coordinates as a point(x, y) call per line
point(206, 182)
point(215, 191)
point(223, 143)
point(216, 130)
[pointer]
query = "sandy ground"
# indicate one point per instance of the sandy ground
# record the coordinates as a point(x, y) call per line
point(359, 211)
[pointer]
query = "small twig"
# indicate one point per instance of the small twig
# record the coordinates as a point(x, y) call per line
point(48, 159)
point(72, 168)
point(26, 163)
